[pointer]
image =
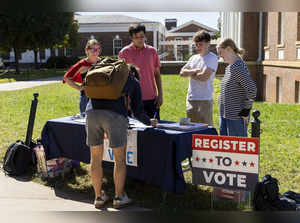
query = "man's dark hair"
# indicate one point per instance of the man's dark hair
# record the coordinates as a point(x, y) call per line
point(202, 36)
point(136, 28)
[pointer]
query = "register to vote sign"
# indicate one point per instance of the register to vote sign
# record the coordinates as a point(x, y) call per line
point(225, 161)
point(131, 151)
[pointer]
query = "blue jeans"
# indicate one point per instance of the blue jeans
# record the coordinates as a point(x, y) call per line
point(83, 102)
point(229, 127)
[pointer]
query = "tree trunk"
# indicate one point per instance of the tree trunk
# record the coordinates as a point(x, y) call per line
point(16, 52)
point(35, 58)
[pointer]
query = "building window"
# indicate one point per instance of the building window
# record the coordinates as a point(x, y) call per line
point(298, 27)
point(298, 53)
point(280, 28)
point(179, 56)
point(280, 54)
point(297, 92)
point(265, 14)
point(278, 89)
point(264, 87)
point(117, 45)
point(180, 48)
point(267, 55)
point(69, 52)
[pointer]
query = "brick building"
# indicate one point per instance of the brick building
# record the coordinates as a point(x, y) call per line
point(246, 29)
point(282, 57)
point(272, 44)
point(179, 44)
point(112, 32)
point(171, 41)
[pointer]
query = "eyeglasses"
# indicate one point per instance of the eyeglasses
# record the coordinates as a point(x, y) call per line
point(93, 50)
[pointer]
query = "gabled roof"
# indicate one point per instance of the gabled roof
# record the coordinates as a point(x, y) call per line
point(109, 19)
point(195, 23)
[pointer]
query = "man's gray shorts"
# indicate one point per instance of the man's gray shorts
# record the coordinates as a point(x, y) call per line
point(102, 121)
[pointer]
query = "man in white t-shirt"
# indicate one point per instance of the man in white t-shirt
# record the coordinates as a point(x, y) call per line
point(201, 69)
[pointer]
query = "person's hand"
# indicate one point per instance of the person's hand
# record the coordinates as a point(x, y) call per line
point(80, 87)
point(246, 120)
point(245, 115)
point(197, 70)
point(184, 74)
point(154, 122)
point(158, 101)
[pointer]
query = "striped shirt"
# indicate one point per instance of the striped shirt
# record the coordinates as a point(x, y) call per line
point(238, 90)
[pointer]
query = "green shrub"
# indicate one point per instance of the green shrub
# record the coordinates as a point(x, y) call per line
point(61, 61)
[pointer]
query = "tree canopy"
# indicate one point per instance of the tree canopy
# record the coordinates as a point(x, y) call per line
point(32, 31)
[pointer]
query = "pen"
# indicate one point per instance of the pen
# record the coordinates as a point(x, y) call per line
point(155, 114)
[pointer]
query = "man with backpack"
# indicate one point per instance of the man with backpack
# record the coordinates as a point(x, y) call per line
point(110, 116)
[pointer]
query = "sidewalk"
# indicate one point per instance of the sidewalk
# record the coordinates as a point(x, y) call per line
point(17, 195)
point(28, 84)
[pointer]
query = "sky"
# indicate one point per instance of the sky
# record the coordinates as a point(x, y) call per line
point(207, 18)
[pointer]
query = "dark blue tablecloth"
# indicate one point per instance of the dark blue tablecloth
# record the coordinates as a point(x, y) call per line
point(160, 152)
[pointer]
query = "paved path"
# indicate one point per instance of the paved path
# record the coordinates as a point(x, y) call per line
point(18, 195)
point(17, 85)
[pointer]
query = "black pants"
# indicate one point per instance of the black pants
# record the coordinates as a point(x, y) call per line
point(150, 109)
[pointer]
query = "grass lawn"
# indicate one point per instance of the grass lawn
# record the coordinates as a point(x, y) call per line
point(26, 75)
point(280, 142)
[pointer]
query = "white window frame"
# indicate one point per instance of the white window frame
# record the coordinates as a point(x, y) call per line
point(267, 55)
point(298, 53)
point(117, 38)
point(280, 54)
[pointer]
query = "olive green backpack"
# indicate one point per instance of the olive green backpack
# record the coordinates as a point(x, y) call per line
point(106, 79)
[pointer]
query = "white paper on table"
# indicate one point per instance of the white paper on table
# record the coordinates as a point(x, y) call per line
point(177, 126)
point(137, 124)
point(81, 120)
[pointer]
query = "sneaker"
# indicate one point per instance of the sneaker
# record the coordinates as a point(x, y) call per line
point(100, 201)
point(122, 202)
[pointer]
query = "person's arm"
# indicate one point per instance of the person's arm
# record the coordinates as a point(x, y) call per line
point(73, 84)
point(187, 70)
point(136, 103)
point(210, 66)
point(243, 77)
point(68, 77)
point(204, 74)
point(159, 99)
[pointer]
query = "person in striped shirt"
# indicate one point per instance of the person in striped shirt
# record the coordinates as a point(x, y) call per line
point(238, 91)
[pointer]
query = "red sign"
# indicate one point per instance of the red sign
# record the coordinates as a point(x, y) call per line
point(225, 161)
point(228, 144)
